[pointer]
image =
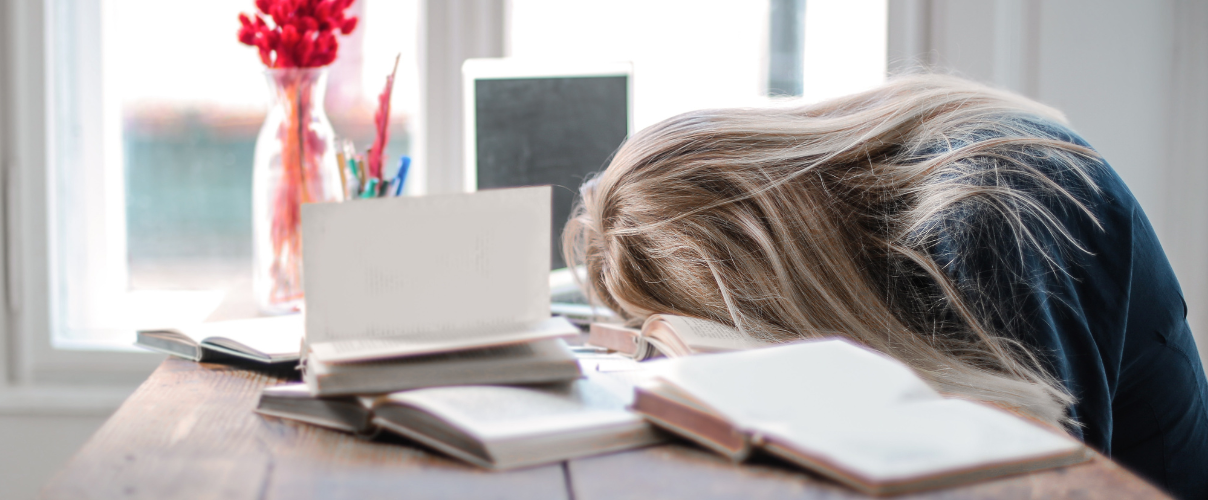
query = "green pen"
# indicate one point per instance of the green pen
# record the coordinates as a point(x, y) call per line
point(352, 166)
point(354, 180)
point(371, 188)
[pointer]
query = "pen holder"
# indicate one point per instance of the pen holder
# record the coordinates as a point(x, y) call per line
point(295, 164)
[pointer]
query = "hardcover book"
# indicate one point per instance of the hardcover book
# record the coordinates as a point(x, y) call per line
point(542, 361)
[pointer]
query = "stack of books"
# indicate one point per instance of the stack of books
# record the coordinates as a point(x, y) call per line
point(430, 317)
point(404, 293)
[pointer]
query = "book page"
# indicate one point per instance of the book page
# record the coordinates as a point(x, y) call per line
point(809, 383)
point(273, 335)
point(702, 335)
point(425, 267)
point(920, 439)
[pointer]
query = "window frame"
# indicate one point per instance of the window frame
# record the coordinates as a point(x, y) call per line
point(29, 358)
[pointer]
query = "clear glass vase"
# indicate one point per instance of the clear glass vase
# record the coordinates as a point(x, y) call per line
point(295, 164)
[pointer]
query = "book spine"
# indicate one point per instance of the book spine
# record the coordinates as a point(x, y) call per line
point(614, 337)
point(709, 430)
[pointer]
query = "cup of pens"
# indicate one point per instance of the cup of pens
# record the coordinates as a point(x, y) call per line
point(360, 179)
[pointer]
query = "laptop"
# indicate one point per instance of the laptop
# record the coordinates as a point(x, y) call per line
point(532, 122)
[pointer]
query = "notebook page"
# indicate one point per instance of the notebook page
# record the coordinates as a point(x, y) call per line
point(921, 439)
point(810, 382)
point(400, 268)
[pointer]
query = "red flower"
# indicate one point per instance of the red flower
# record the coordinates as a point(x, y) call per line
point(302, 34)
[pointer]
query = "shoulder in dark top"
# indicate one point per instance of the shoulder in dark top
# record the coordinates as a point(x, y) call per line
point(1108, 319)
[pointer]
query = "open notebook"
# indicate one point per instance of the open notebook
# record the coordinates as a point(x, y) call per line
point(848, 413)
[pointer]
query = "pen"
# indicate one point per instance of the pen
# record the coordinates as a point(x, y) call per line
point(362, 174)
point(343, 175)
point(400, 177)
point(371, 188)
point(354, 178)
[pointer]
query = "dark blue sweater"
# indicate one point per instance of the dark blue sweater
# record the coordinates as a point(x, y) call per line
point(1110, 322)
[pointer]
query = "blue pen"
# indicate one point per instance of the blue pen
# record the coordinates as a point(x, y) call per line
point(396, 185)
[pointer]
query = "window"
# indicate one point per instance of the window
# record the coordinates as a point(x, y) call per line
point(156, 109)
point(686, 54)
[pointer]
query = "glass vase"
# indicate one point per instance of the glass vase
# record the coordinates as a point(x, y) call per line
point(295, 163)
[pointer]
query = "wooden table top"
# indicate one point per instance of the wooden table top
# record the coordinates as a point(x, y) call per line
point(189, 432)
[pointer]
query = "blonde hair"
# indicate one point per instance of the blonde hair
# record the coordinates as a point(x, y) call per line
point(794, 222)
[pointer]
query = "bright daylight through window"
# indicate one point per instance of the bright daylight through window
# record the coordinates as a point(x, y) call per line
point(152, 189)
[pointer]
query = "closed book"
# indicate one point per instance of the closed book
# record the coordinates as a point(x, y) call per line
point(542, 361)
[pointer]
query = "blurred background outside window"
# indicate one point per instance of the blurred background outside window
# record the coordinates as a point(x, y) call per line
point(696, 54)
point(192, 103)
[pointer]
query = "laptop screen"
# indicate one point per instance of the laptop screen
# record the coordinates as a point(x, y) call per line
point(548, 130)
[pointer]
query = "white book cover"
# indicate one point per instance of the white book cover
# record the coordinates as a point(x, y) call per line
point(405, 276)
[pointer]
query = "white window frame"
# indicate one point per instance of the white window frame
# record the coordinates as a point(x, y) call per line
point(29, 357)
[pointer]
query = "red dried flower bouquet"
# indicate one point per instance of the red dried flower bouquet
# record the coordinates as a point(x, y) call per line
point(303, 34)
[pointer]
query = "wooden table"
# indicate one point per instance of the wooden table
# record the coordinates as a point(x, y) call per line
point(189, 432)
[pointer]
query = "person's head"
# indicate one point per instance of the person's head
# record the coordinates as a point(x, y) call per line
point(808, 221)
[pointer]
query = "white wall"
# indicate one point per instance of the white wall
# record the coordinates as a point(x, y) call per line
point(1131, 77)
point(35, 447)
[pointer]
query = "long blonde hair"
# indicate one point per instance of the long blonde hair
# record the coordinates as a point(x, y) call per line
point(793, 222)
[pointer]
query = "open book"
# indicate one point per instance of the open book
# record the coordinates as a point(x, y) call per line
point(504, 427)
point(541, 361)
point(497, 427)
point(671, 336)
point(271, 340)
point(394, 277)
point(848, 413)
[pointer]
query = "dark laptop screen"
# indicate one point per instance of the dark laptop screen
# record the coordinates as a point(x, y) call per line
point(555, 130)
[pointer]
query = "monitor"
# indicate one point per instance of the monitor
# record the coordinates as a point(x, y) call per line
point(530, 123)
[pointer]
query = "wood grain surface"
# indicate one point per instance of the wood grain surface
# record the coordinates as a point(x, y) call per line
point(189, 432)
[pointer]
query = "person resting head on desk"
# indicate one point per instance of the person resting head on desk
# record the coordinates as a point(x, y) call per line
point(962, 230)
